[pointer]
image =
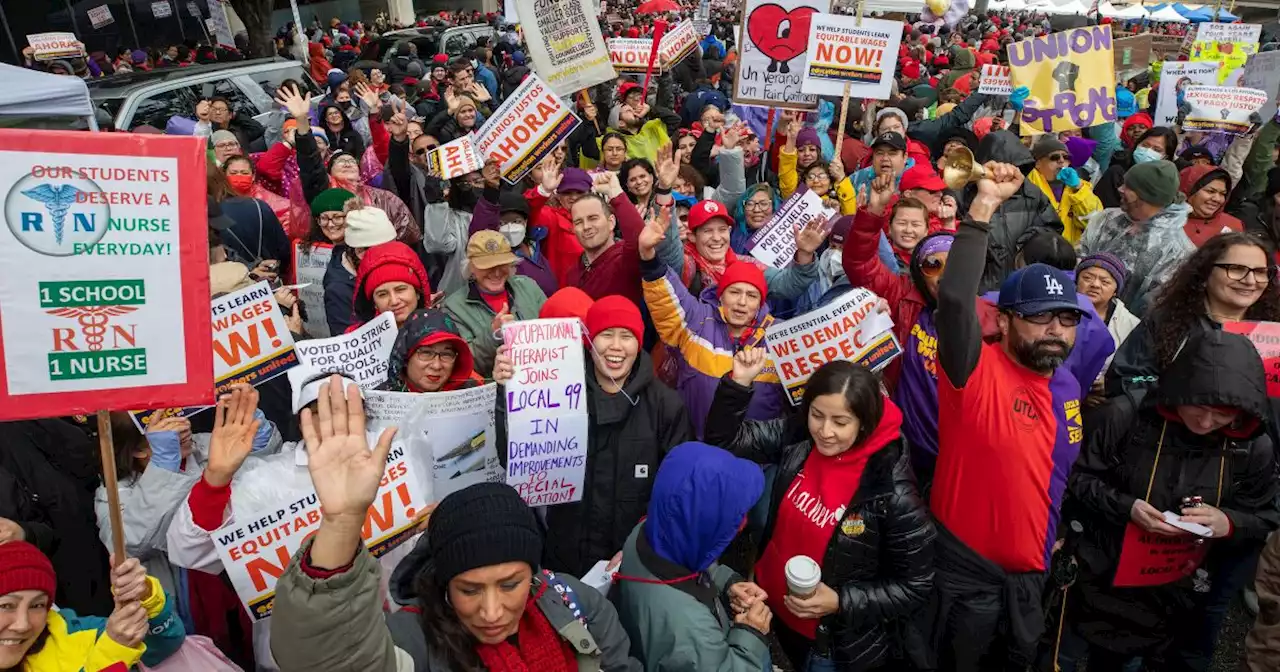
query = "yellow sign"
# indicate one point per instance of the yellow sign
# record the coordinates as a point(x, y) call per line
point(1071, 76)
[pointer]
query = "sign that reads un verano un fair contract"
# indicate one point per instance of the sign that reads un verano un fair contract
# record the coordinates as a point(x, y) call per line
point(104, 301)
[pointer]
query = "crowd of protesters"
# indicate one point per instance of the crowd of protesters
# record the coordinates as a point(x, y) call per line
point(1066, 398)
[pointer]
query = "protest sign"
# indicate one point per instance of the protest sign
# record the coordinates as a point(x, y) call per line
point(1266, 338)
point(309, 266)
point(1150, 559)
point(772, 59)
point(50, 46)
point(100, 16)
point(193, 9)
point(995, 80)
point(104, 300)
point(1131, 55)
point(1228, 45)
point(526, 128)
point(850, 329)
point(841, 51)
point(702, 28)
point(361, 355)
point(220, 27)
point(565, 44)
point(456, 430)
point(1071, 76)
point(677, 43)
point(161, 10)
point(546, 411)
point(1175, 77)
point(255, 552)
point(1263, 72)
point(774, 244)
point(630, 56)
point(454, 159)
point(1222, 108)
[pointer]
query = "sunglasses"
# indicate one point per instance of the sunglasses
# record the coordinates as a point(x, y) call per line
point(1067, 318)
point(1059, 157)
point(932, 267)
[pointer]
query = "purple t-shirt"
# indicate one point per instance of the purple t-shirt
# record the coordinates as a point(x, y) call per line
point(917, 392)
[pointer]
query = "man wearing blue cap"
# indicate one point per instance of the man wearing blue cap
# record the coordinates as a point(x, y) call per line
point(1008, 432)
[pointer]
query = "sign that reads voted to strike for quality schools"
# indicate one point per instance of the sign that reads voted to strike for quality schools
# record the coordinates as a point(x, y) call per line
point(361, 355)
point(526, 128)
point(454, 159)
point(104, 296)
point(850, 329)
point(843, 52)
point(630, 55)
point(1222, 108)
point(1071, 76)
point(995, 80)
point(546, 411)
point(774, 244)
point(772, 59)
point(565, 44)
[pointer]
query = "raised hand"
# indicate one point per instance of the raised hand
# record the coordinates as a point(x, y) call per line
point(747, 365)
point(1001, 182)
point(606, 184)
point(837, 172)
point(398, 125)
point(793, 131)
point(344, 471)
point(882, 189)
point(129, 580)
point(589, 111)
point(551, 175)
point(492, 173)
point(809, 238)
point(298, 105)
point(731, 137)
point(234, 427)
point(202, 111)
point(667, 166)
point(369, 97)
point(655, 229)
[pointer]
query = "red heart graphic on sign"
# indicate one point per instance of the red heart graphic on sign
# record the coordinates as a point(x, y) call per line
point(780, 34)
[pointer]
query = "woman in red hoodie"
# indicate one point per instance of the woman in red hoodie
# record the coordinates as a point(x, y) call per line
point(845, 499)
point(1206, 189)
point(390, 278)
point(430, 355)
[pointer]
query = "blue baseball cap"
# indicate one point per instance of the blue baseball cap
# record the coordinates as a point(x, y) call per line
point(1126, 103)
point(1038, 288)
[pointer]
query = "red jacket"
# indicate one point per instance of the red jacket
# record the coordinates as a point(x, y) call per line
point(560, 247)
point(617, 271)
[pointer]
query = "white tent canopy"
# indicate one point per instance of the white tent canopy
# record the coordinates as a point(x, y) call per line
point(1168, 13)
point(29, 93)
point(1130, 12)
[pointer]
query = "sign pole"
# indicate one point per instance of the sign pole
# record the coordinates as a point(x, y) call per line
point(108, 455)
point(659, 28)
point(844, 100)
point(586, 100)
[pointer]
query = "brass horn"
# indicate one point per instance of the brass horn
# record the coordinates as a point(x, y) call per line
point(959, 168)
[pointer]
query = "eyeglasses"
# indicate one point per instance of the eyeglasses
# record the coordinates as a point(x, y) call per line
point(1059, 158)
point(817, 176)
point(932, 267)
point(333, 221)
point(422, 151)
point(1239, 271)
point(227, 145)
point(219, 109)
point(1067, 318)
point(759, 206)
point(426, 356)
point(473, 181)
point(346, 162)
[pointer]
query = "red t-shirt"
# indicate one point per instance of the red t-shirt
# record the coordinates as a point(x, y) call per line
point(996, 439)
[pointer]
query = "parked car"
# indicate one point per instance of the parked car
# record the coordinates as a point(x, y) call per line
point(451, 40)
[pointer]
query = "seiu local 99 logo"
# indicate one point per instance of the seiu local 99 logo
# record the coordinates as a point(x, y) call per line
point(56, 216)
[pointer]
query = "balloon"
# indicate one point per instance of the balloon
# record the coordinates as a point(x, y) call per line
point(938, 7)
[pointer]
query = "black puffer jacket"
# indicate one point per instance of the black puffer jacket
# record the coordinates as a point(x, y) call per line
point(883, 575)
point(1215, 368)
point(628, 435)
point(1018, 218)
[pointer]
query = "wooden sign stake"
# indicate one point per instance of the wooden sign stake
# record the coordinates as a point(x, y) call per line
point(106, 446)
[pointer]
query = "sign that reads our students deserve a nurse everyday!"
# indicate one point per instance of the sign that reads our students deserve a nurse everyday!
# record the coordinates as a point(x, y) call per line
point(841, 51)
point(104, 296)
point(526, 128)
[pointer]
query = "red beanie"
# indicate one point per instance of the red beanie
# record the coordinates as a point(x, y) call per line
point(910, 70)
point(566, 302)
point(742, 271)
point(24, 567)
point(390, 273)
point(615, 311)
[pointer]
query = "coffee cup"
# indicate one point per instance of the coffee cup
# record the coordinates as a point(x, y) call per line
point(803, 576)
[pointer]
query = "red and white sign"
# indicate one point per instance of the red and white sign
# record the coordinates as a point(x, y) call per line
point(1266, 338)
point(104, 301)
point(455, 159)
point(1150, 559)
point(49, 46)
point(630, 55)
point(526, 128)
point(848, 55)
point(996, 80)
point(677, 44)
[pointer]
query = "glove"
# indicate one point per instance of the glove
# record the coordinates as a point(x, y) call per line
point(265, 430)
point(1019, 97)
point(1069, 177)
point(166, 450)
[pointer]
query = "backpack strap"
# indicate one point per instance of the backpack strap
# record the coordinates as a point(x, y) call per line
point(573, 629)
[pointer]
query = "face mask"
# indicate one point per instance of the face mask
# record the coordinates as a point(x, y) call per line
point(830, 263)
point(514, 233)
point(242, 184)
point(1146, 155)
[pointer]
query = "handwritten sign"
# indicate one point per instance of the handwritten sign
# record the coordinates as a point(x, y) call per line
point(361, 355)
point(546, 411)
point(843, 52)
point(565, 44)
point(630, 56)
point(1175, 77)
point(677, 43)
point(773, 57)
point(1227, 45)
point(1149, 559)
point(996, 80)
point(526, 128)
point(50, 46)
point(1263, 72)
point(100, 16)
point(1222, 108)
point(849, 329)
point(1071, 76)
point(309, 267)
point(774, 244)
point(161, 10)
point(256, 552)
point(454, 159)
point(1266, 338)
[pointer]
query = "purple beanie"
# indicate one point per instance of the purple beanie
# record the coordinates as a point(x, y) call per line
point(1109, 263)
point(574, 179)
point(808, 136)
point(1080, 149)
point(138, 56)
point(840, 230)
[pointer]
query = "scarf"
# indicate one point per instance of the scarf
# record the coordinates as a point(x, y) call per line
point(539, 647)
point(696, 263)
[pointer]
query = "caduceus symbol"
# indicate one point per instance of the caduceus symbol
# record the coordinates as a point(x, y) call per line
point(57, 200)
point(93, 320)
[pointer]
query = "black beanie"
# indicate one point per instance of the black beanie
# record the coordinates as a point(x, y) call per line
point(483, 525)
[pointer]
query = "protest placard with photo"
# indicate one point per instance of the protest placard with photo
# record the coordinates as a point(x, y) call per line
point(1071, 76)
point(104, 300)
point(1175, 77)
point(774, 244)
point(1263, 72)
point(677, 43)
point(630, 56)
point(361, 355)
point(841, 51)
point(50, 46)
point(996, 80)
point(565, 45)
point(849, 329)
point(1228, 45)
point(526, 128)
point(309, 266)
point(1222, 108)
point(546, 411)
point(456, 429)
point(454, 159)
point(772, 56)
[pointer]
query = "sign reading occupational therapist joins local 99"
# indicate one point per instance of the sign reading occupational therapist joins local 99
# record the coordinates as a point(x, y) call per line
point(104, 298)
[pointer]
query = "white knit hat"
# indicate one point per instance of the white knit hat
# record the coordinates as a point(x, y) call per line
point(367, 227)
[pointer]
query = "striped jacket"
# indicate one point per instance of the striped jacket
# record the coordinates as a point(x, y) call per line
point(694, 326)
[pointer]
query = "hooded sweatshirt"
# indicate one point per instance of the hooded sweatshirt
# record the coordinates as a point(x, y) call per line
point(813, 505)
point(424, 328)
point(1192, 179)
